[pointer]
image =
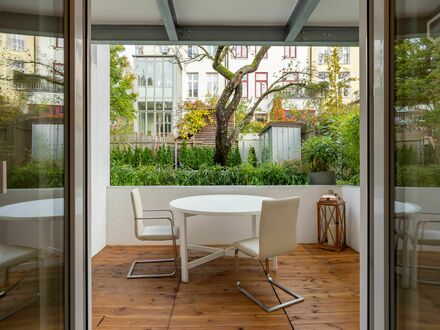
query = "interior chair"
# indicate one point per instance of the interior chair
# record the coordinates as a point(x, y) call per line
point(423, 236)
point(277, 236)
point(12, 256)
point(143, 232)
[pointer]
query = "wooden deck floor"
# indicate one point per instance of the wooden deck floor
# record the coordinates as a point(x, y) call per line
point(329, 282)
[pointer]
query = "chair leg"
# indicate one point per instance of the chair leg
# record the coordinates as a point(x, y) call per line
point(152, 261)
point(267, 309)
point(4, 281)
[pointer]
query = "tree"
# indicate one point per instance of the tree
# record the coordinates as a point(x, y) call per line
point(331, 105)
point(121, 85)
point(231, 96)
point(196, 116)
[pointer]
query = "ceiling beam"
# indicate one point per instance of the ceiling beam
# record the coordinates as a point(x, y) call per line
point(166, 8)
point(299, 17)
point(28, 24)
point(229, 35)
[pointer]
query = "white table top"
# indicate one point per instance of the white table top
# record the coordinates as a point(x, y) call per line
point(219, 204)
point(405, 208)
point(42, 209)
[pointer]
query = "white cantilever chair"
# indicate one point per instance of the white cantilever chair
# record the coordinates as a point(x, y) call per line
point(12, 256)
point(144, 232)
point(277, 236)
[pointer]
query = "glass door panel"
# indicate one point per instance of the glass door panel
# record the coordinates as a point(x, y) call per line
point(416, 165)
point(32, 135)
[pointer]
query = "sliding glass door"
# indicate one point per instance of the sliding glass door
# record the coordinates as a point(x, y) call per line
point(415, 137)
point(32, 153)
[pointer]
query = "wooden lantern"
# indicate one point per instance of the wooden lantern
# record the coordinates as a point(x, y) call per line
point(331, 222)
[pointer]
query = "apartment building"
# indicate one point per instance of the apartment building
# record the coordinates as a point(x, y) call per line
point(197, 79)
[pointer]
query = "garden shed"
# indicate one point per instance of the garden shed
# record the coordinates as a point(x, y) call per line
point(280, 141)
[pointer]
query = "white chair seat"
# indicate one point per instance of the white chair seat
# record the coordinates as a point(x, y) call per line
point(429, 237)
point(250, 246)
point(11, 255)
point(158, 233)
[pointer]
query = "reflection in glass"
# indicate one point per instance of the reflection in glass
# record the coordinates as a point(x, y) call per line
point(416, 168)
point(32, 115)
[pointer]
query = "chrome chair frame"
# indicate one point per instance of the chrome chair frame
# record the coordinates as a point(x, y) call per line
point(151, 261)
point(267, 309)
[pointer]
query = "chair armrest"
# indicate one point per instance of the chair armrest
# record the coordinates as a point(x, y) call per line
point(159, 210)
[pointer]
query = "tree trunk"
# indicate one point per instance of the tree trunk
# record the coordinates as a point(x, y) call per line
point(222, 144)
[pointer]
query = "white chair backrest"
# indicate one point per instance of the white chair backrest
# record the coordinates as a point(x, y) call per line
point(278, 227)
point(136, 202)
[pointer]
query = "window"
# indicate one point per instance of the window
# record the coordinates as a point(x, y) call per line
point(212, 84)
point(257, 48)
point(241, 52)
point(17, 42)
point(323, 76)
point(289, 51)
point(345, 76)
point(59, 43)
point(345, 55)
point(18, 66)
point(193, 51)
point(58, 69)
point(193, 85)
point(260, 83)
point(323, 52)
point(291, 77)
point(245, 86)
point(211, 50)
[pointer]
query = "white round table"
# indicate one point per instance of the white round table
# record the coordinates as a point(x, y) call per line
point(42, 209)
point(211, 205)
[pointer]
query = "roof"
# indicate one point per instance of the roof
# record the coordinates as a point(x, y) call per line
point(280, 124)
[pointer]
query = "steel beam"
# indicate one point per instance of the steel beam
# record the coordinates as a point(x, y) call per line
point(299, 17)
point(166, 8)
point(230, 35)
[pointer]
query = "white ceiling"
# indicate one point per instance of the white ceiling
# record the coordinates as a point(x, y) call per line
point(335, 12)
point(234, 12)
point(128, 12)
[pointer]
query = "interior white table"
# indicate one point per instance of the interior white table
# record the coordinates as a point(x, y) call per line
point(212, 205)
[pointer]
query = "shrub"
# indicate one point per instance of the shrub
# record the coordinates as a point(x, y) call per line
point(234, 157)
point(245, 174)
point(164, 156)
point(195, 157)
point(252, 157)
point(418, 176)
point(320, 153)
point(36, 175)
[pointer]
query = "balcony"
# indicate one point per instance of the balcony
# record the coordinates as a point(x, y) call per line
point(35, 83)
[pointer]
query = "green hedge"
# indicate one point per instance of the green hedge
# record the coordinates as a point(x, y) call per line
point(36, 175)
point(267, 174)
point(418, 176)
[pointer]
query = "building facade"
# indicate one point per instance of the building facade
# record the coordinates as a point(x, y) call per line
point(191, 77)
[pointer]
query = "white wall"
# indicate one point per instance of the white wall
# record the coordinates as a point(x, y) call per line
point(217, 230)
point(99, 157)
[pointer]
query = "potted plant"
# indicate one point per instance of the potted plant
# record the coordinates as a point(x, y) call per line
point(319, 155)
